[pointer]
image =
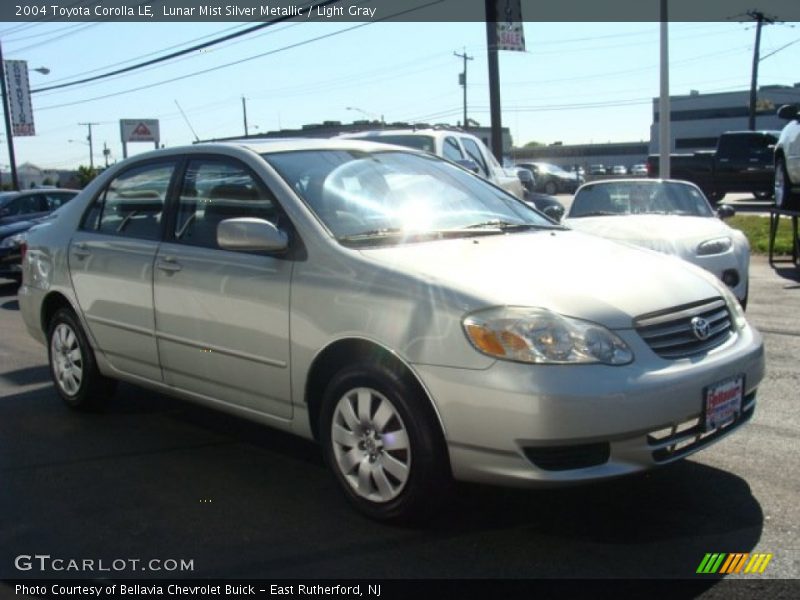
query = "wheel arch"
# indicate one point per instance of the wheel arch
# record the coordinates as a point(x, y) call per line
point(50, 305)
point(343, 352)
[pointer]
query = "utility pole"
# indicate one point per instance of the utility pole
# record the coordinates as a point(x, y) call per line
point(462, 79)
point(89, 137)
point(106, 153)
point(664, 110)
point(244, 115)
point(760, 18)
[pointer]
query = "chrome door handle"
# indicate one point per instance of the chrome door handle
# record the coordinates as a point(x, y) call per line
point(168, 264)
point(81, 251)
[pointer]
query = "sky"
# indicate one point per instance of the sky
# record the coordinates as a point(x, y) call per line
point(575, 83)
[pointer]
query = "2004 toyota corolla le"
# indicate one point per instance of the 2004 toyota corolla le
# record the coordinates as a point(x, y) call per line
point(419, 322)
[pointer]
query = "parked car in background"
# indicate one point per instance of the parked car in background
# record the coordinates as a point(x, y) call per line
point(544, 203)
point(639, 169)
point(552, 179)
point(31, 204)
point(619, 170)
point(787, 160)
point(597, 170)
point(417, 321)
point(742, 162)
point(453, 144)
point(673, 217)
point(12, 234)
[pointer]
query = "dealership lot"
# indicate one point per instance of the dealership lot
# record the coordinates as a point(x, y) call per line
point(157, 478)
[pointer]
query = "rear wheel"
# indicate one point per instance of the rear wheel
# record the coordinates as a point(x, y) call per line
point(73, 366)
point(383, 443)
point(551, 188)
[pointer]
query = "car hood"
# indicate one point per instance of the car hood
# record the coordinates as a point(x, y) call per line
point(567, 271)
point(670, 234)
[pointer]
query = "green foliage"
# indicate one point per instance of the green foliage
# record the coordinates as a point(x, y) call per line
point(756, 229)
point(533, 144)
point(86, 174)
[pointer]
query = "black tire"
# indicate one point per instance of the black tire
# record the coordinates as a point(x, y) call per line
point(783, 194)
point(68, 350)
point(550, 188)
point(763, 195)
point(427, 476)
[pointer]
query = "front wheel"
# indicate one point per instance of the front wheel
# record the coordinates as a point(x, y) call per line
point(382, 441)
point(782, 185)
point(73, 366)
point(550, 188)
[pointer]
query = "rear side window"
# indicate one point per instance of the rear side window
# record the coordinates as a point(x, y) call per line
point(26, 205)
point(57, 200)
point(215, 190)
point(132, 205)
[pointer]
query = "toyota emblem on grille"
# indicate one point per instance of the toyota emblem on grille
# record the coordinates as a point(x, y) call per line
point(700, 328)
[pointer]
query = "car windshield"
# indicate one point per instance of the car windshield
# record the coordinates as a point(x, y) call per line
point(398, 196)
point(554, 169)
point(420, 142)
point(635, 198)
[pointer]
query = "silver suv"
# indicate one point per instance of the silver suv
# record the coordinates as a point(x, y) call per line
point(418, 322)
point(453, 144)
point(787, 160)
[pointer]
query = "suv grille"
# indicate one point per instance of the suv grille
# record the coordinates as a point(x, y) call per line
point(673, 333)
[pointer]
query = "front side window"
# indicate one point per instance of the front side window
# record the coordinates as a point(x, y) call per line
point(215, 190)
point(399, 196)
point(451, 149)
point(475, 154)
point(132, 205)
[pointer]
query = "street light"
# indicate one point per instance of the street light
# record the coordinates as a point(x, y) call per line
point(7, 113)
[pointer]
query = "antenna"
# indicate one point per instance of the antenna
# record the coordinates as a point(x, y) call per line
point(185, 118)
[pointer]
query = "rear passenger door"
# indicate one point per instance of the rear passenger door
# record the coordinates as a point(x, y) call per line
point(222, 317)
point(111, 263)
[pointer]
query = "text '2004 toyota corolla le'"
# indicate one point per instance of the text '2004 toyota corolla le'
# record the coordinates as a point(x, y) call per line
point(417, 321)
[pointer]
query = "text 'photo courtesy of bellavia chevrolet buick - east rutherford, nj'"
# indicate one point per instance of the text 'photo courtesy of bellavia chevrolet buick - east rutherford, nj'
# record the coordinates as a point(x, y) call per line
point(406, 312)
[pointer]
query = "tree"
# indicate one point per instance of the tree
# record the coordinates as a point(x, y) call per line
point(533, 144)
point(85, 175)
point(47, 181)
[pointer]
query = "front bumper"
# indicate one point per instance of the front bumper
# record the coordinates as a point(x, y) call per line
point(538, 425)
point(10, 262)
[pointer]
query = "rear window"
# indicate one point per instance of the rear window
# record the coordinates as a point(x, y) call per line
point(420, 142)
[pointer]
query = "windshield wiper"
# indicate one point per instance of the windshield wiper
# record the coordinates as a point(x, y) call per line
point(504, 226)
point(372, 233)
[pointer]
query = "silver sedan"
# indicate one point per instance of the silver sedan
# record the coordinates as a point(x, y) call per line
point(420, 323)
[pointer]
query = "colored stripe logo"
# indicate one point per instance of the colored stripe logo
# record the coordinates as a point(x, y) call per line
point(734, 563)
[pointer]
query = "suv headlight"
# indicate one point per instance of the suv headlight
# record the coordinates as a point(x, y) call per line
point(715, 246)
point(538, 335)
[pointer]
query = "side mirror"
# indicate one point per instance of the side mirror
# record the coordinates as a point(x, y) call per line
point(787, 112)
point(725, 211)
point(554, 212)
point(247, 234)
point(469, 165)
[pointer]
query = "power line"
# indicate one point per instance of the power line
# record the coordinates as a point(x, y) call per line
point(243, 60)
point(178, 53)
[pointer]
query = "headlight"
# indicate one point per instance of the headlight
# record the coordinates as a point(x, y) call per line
point(715, 246)
point(735, 308)
point(538, 335)
point(12, 241)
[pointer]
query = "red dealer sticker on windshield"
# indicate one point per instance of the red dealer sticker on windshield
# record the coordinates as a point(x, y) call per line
point(723, 402)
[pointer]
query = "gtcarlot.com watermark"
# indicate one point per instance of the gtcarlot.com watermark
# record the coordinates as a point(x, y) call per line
point(45, 563)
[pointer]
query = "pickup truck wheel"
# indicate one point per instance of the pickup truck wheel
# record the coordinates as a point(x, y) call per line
point(782, 192)
point(73, 366)
point(381, 439)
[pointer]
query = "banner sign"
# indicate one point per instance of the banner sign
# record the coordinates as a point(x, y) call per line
point(19, 97)
point(510, 35)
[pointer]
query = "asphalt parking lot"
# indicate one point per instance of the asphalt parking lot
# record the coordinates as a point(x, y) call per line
point(153, 477)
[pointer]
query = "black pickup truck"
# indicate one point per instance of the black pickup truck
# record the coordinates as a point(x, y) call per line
point(743, 162)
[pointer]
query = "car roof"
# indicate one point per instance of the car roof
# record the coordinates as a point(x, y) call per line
point(428, 131)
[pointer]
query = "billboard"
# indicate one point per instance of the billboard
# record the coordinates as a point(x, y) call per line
point(19, 97)
point(510, 35)
point(139, 130)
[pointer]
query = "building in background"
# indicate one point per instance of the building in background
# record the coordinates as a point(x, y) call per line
point(697, 120)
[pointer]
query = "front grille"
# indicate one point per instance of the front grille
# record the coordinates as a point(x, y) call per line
point(564, 458)
point(678, 440)
point(670, 333)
